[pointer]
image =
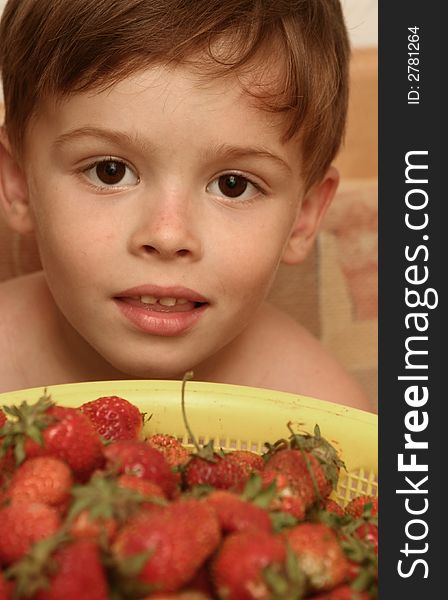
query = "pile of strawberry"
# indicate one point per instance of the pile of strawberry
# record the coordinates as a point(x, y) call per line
point(90, 509)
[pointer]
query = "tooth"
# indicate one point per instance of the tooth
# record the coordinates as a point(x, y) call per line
point(182, 301)
point(148, 299)
point(167, 301)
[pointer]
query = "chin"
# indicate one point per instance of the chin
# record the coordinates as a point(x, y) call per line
point(147, 370)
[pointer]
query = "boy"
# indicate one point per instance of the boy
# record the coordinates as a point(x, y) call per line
point(168, 156)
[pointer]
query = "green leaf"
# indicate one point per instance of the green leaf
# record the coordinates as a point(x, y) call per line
point(282, 520)
point(253, 487)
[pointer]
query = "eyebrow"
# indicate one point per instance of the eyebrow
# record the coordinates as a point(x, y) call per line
point(229, 151)
point(221, 151)
point(116, 137)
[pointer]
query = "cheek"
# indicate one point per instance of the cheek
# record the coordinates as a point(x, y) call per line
point(250, 266)
point(72, 240)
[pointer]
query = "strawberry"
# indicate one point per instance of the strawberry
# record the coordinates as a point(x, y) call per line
point(304, 475)
point(102, 505)
point(343, 592)
point(364, 512)
point(288, 498)
point(362, 506)
point(57, 567)
point(5, 588)
point(114, 418)
point(236, 514)
point(333, 507)
point(368, 532)
point(173, 543)
point(310, 463)
point(319, 554)
point(84, 526)
point(199, 588)
point(362, 560)
point(44, 429)
point(216, 471)
point(187, 595)
point(210, 468)
point(173, 451)
point(253, 463)
point(42, 479)
point(79, 574)
point(2, 420)
point(137, 458)
point(27, 523)
point(143, 486)
point(250, 565)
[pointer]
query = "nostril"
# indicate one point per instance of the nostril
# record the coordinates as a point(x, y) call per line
point(150, 249)
point(182, 252)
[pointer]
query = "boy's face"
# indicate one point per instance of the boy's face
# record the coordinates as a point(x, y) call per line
point(162, 208)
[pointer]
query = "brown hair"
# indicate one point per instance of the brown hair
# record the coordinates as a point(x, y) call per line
point(58, 47)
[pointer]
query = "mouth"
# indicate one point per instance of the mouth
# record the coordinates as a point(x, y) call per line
point(166, 311)
point(165, 304)
point(163, 299)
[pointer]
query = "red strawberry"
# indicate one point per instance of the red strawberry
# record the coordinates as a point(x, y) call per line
point(332, 506)
point(187, 595)
point(78, 574)
point(235, 514)
point(211, 468)
point(2, 418)
point(42, 479)
point(239, 569)
point(173, 451)
point(320, 555)
point(362, 560)
point(137, 458)
point(143, 486)
point(72, 439)
point(104, 504)
point(358, 505)
point(27, 523)
point(5, 588)
point(310, 463)
point(253, 463)
point(217, 471)
point(303, 472)
point(368, 532)
point(43, 429)
point(114, 418)
point(86, 527)
point(343, 592)
point(178, 539)
point(288, 498)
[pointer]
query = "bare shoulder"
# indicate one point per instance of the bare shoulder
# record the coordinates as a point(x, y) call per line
point(21, 302)
point(18, 294)
point(296, 362)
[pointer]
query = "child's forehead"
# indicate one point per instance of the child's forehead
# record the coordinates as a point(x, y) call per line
point(183, 87)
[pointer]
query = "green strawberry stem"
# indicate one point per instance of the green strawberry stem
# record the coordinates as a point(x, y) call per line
point(187, 377)
point(25, 421)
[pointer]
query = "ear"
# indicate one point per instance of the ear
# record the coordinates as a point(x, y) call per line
point(13, 189)
point(309, 215)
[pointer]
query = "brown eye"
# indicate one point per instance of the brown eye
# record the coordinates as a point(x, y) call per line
point(232, 186)
point(110, 172)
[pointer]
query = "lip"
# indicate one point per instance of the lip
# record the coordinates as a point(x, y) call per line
point(162, 292)
point(165, 324)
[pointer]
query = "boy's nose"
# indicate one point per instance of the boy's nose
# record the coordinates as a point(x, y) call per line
point(167, 231)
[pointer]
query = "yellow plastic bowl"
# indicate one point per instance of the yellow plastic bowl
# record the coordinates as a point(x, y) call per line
point(238, 417)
